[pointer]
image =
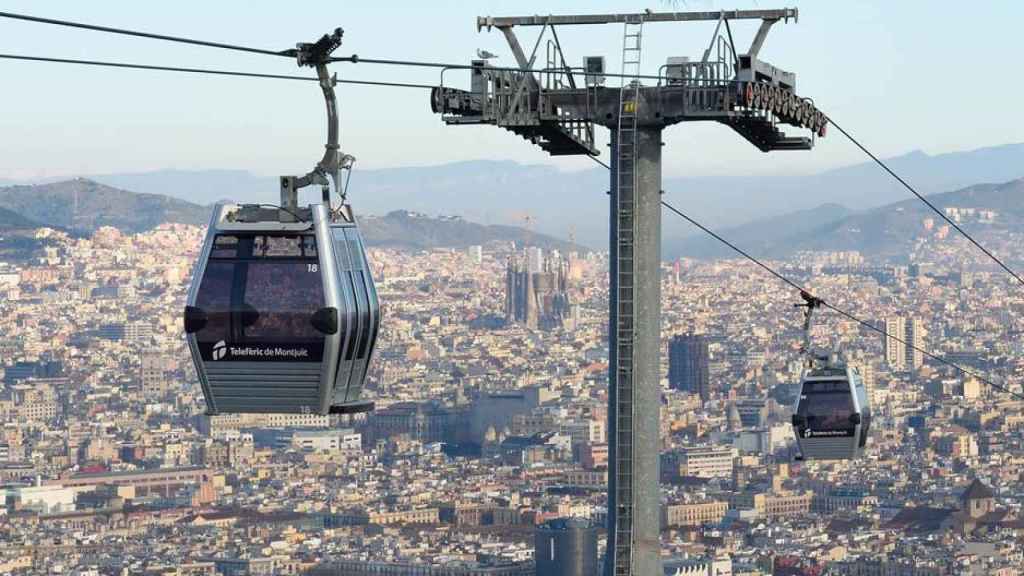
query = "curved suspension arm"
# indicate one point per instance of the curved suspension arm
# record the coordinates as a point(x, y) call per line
point(327, 171)
point(811, 303)
point(330, 165)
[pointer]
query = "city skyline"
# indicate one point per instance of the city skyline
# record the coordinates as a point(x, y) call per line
point(549, 417)
point(313, 390)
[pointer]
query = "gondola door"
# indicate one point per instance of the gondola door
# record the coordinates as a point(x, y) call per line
point(827, 419)
point(358, 293)
point(263, 339)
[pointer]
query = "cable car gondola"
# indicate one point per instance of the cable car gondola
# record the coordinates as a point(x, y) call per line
point(832, 416)
point(282, 314)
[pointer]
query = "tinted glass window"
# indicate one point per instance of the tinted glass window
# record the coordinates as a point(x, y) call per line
point(341, 249)
point(309, 247)
point(865, 427)
point(364, 315)
point(260, 246)
point(282, 246)
point(224, 247)
point(827, 405)
point(214, 298)
point(285, 295)
point(259, 293)
point(356, 252)
point(375, 311)
point(357, 316)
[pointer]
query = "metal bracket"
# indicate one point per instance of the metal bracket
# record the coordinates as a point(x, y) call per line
point(527, 75)
point(326, 171)
point(759, 38)
point(811, 303)
point(289, 199)
point(520, 56)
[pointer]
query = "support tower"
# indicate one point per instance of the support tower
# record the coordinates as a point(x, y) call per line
point(549, 106)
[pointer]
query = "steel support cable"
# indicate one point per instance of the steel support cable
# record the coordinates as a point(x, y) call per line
point(826, 304)
point(138, 34)
point(208, 71)
point(921, 197)
point(355, 59)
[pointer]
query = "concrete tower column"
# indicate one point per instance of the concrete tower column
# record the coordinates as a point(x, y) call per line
point(634, 398)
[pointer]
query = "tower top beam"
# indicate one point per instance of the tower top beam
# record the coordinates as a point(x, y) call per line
point(580, 19)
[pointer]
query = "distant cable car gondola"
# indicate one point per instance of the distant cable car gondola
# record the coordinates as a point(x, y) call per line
point(282, 315)
point(832, 415)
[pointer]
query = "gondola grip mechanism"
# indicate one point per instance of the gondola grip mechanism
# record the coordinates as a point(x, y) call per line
point(327, 170)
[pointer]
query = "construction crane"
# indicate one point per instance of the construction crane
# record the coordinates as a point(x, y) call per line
point(528, 221)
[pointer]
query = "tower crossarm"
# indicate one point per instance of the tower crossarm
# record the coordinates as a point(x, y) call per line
point(648, 18)
point(757, 110)
point(751, 96)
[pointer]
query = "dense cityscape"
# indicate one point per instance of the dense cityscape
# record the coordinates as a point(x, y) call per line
point(488, 444)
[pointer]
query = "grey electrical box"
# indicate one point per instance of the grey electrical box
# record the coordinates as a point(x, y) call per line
point(593, 67)
point(478, 81)
point(677, 68)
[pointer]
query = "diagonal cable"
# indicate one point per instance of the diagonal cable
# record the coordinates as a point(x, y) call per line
point(825, 303)
point(838, 310)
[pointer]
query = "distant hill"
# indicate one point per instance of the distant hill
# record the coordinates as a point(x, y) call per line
point(764, 237)
point(84, 205)
point(404, 229)
point(198, 187)
point(888, 231)
point(17, 238)
point(10, 220)
point(28, 207)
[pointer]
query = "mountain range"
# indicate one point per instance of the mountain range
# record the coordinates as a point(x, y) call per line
point(82, 206)
point(770, 216)
point(502, 192)
point(887, 232)
point(405, 229)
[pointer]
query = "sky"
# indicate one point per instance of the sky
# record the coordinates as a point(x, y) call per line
point(897, 75)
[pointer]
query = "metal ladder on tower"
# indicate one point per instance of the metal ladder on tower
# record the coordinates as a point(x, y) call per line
point(626, 158)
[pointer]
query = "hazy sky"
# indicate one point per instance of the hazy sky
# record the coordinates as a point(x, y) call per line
point(900, 75)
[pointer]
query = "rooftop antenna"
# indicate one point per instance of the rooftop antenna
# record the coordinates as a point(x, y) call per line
point(556, 108)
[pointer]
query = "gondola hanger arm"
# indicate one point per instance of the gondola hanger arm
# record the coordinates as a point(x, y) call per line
point(327, 170)
point(810, 304)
